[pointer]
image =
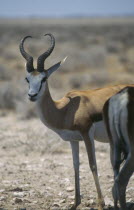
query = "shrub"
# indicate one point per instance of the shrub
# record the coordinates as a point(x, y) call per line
point(7, 95)
point(4, 73)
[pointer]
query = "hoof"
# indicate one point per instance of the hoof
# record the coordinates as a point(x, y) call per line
point(101, 204)
point(100, 207)
point(75, 205)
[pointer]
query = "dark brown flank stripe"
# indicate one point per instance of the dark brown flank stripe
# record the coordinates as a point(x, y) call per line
point(106, 119)
point(96, 117)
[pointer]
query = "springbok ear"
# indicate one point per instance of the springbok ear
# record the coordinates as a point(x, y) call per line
point(55, 67)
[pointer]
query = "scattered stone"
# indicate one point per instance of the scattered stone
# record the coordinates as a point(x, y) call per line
point(6, 182)
point(91, 196)
point(27, 201)
point(51, 181)
point(111, 180)
point(48, 188)
point(130, 200)
point(56, 205)
point(60, 164)
point(66, 180)
point(35, 202)
point(19, 194)
point(102, 154)
point(70, 189)
point(17, 200)
point(109, 176)
point(92, 201)
point(2, 190)
point(108, 201)
point(32, 192)
point(109, 190)
point(2, 198)
point(24, 185)
point(71, 197)
point(17, 189)
point(72, 203)
point(130, 189)
point(63, 201)
point(60, 193)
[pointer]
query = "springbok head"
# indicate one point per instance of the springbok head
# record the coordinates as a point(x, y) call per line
point(37, 77)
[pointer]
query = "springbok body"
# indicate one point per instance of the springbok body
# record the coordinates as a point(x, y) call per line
point(77, 116)
point(119, 119)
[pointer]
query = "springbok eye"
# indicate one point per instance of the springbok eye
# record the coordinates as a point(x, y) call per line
point(44, 79)
point(27, 79)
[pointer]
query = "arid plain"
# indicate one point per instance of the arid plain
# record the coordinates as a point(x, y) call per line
point(36, 170)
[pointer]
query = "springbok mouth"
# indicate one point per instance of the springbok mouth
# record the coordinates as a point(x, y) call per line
point(32, 99)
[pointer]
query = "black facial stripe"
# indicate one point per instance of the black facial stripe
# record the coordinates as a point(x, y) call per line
point(40, 87)
point(27, 79)
point(43, 80)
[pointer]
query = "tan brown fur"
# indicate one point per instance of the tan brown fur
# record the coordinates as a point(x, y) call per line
point(72, 116)
point(77, 108)
point(34, 73)
point(77, 111)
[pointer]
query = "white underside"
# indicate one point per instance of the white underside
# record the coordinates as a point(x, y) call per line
point(100, 133)
point(97, 131)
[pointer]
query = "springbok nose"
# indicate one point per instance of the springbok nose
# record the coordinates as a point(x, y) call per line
point(32, 95)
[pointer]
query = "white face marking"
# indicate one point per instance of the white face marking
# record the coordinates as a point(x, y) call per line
point(99, 133)
point(36, 85)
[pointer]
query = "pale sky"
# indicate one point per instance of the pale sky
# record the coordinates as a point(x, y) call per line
point(58, 8)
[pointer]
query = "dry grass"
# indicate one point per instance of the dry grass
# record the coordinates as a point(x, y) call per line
point(99, 52)
point(34, 159)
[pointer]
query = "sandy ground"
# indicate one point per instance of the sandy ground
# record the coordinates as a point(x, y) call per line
point(36, 169)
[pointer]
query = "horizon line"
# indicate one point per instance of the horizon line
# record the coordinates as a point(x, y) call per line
point(70, 16)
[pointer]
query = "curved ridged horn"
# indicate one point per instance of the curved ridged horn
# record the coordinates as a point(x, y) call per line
point(29, 59)
point(42, 58)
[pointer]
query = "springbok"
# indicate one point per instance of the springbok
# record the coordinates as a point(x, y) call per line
point(119, 119)
point(77, 116)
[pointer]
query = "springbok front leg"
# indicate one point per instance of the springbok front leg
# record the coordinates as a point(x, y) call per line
point(75, 154)
point(89, 143)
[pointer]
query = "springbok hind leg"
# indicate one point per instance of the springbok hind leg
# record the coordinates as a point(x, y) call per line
point(89, 143)
point(115, 156)
point(122, 181)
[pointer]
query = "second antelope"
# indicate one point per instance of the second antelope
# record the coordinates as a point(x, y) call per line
point(119, 119)
point(77, 116)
